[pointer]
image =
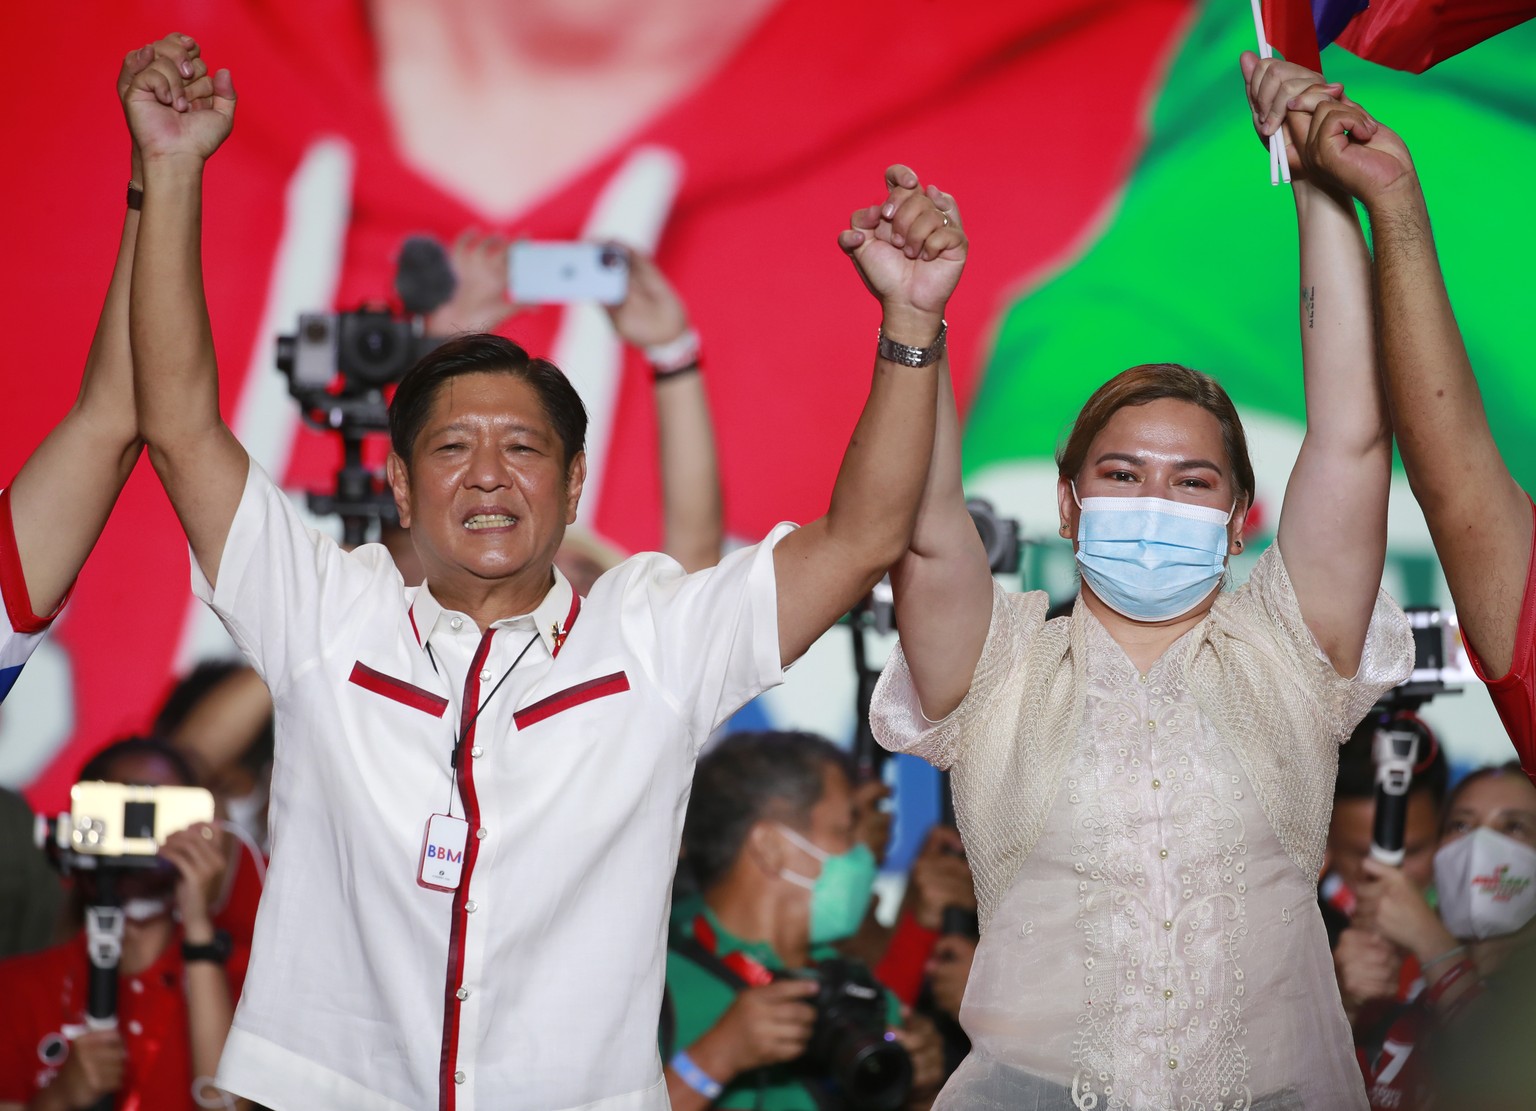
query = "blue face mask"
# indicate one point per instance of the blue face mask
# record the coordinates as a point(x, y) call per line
point(1151, 559)
point(840, 895)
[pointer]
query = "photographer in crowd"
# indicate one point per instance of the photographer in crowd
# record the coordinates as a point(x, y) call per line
point(1478, 516)
point(444, 750)
point(175, 997)
point(1485, 883)
point(770, 840)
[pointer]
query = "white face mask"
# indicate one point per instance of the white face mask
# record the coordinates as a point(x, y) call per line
point(249, 812)
point(1486, 883)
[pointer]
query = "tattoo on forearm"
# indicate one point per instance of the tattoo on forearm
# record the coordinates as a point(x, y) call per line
point(1306, 300)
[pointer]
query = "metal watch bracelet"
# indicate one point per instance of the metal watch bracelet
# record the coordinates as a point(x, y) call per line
point(893, 352)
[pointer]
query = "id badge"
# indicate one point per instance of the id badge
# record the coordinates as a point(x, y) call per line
point(442, 852)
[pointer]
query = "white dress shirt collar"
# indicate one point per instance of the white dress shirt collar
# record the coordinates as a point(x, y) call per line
point(552, 618)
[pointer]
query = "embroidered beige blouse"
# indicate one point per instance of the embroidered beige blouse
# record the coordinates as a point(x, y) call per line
point(1146, 849)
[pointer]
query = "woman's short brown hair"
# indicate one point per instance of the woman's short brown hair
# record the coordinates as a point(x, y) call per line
point(1151, 382)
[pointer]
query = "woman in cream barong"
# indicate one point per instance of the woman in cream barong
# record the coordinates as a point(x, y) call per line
point(1144, 787)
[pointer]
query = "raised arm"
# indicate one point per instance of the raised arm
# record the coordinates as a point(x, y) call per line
point(1478, 516)
point(653, 318)
point(943, 584)
point(179, 115)
point(1333, 524)
point(85, 459)
point(909, 255)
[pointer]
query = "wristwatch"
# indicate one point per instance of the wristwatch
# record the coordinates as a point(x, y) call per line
point(216, 950)
point(893, 352)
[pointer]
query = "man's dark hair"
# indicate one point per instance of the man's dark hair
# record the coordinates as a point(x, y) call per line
point(478, 353)
point(189, 692)
point(98, 766)
point(746, 778)
point(1357, 768)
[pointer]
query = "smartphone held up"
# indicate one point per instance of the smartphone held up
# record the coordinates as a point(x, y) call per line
point(558, 273)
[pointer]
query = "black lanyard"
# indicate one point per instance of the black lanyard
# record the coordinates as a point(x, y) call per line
point(458, 739)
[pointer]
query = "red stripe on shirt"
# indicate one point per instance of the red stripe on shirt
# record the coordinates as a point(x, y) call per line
point(617, 683)
point(397, 689)
point(447, 1090)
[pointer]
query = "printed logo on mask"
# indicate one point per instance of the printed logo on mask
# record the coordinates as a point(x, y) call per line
point(1502, 885)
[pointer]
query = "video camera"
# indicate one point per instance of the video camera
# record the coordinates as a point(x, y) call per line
point(339, 364)
point(850, 1046)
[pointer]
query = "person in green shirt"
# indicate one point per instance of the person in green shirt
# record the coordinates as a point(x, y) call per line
point(770, 839)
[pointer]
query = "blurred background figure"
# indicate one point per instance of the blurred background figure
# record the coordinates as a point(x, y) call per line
point(175, 999)
point(1485, 886)
point(1367, 965)
point(31, 894)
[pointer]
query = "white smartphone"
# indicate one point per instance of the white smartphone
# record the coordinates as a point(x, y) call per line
point(560, 273)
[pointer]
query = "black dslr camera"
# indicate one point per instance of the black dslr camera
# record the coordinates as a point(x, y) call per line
point(850, 1046)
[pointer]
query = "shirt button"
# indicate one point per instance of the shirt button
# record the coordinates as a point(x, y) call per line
point(1167, 993)
point(137, 986)
point(462, 993)
point(1168, 925)
point(1156, 783)
point(1163, 853)
point(471, 906)
point(456, 624)
point(477, 752)
point(1172, 1064)
point(485, 676)
point(458, 1077)
point(135, 1027)
point(1151, 725)
point(480, 833)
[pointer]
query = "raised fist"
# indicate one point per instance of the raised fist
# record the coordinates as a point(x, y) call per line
point(1349, 151)
point(175, 109)
point(910, 249)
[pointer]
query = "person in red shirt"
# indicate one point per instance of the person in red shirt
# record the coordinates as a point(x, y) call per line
point(1484, 871)
point(175, 1000)
point(1479, 518)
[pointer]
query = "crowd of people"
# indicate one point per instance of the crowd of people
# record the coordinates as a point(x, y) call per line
point(479, 842)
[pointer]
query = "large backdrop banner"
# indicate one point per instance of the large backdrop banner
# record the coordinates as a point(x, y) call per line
point(1118, 203)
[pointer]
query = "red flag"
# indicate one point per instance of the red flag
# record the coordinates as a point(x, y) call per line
point(1413, 35)
point(1291, 31)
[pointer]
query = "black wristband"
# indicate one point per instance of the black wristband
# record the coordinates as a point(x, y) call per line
point(659, 375)
point(135, 197)
point(216, 950)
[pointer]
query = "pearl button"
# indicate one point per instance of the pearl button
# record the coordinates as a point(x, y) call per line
point(1167, 993)
point(1167, 925)
point(456, 624)
point(1172, 1064)
point(477, 752)
point(1163, 853)
point(1156, 783)
point(462, 993)
point(485, 676)
point(1151, 725)
point(480, 833)
point(471, 906)
point(458, 1077)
